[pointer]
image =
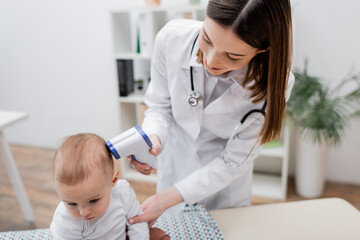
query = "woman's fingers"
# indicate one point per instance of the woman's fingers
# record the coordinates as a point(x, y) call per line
point(156, 145)
point(151, 211)
point(155, 205)
point(143, 218)
point(140, 167)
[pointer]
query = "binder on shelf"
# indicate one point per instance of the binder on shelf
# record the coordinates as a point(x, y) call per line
point(125, 76)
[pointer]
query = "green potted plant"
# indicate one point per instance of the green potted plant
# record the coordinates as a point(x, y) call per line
point(321, 114)
point(139, 86)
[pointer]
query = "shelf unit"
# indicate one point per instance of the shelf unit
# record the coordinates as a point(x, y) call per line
point(271, 185)
point(128, 27)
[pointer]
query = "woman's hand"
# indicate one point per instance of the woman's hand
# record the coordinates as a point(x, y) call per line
point(155, 150)
point(156, 147)
point(155, 205)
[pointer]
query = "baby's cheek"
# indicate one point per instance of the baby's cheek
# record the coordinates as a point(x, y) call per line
point(73, 212)
point(101, 208)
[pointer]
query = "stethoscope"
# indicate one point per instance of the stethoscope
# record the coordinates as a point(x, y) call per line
point(195, 99)
point(237, 130)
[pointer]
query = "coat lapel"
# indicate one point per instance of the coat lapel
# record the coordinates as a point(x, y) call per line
point(195, 113)
point(227, 102)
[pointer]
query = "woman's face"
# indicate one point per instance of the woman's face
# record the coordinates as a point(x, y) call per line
point(222, 50)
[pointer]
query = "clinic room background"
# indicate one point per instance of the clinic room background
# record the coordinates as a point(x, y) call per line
point(57, 64)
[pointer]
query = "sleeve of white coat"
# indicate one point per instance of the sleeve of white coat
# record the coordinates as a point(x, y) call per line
point(158, 117)
point(240, 152)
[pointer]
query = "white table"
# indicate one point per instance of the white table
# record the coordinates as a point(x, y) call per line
point(329, 218)
point(8, 118)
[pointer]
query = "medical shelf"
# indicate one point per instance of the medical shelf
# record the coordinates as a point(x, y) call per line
point(270, 168)
point(133, 56)
point(267, 185)
point(132, 98)
point(273, 152)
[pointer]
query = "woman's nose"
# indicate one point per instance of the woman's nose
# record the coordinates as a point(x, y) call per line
point(212, 59)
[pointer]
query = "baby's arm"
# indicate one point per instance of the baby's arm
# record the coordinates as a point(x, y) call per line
point(132, 206)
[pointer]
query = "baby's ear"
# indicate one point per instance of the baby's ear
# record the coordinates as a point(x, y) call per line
point(115, 177)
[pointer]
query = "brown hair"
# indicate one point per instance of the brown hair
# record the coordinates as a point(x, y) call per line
point(263, 24)
point(79, 156)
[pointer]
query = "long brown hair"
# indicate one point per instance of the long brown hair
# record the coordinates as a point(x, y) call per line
point(263, 24)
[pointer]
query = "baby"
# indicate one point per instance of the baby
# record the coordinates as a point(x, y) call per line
point(95, 204)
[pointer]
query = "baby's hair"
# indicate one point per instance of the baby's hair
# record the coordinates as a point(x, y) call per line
point(79, 156)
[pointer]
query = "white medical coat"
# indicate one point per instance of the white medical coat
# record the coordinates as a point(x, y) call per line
point(193, 139)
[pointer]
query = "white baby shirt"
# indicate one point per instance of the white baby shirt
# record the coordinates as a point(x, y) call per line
point(110, 226)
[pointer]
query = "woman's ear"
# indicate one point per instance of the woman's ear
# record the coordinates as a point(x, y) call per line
point(115, 177)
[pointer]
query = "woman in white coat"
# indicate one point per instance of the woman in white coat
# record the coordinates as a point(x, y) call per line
point(236, 64)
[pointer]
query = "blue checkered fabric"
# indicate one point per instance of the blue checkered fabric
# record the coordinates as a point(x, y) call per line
point(194, 222)
point(43, 234)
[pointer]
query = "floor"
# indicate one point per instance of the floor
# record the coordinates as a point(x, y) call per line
point(35, 166)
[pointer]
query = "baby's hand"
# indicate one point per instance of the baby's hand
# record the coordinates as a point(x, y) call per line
point(155, 150)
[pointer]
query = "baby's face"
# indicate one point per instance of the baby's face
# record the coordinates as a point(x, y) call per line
point(89, 199)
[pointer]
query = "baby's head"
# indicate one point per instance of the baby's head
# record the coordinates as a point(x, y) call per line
point(84, 174)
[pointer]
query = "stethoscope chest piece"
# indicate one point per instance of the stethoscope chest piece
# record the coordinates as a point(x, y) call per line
point(195, 99)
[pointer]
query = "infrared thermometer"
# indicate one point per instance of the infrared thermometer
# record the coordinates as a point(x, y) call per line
point(133, 142)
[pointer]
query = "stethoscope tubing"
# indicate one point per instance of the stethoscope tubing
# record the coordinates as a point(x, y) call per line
point(197, 98)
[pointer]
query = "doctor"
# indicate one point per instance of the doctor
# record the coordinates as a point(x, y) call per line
point(207, 77)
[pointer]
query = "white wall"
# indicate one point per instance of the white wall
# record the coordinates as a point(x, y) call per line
point(56, 63)
point(328, 34)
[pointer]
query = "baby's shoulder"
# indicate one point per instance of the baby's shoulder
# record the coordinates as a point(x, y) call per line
point(122, 183)
point(122, 186)
point(62, 214)
point(122, 190)
point(63, 225)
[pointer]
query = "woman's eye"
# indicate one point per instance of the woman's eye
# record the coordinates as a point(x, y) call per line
point(233, 59)
point(207, 41)
point(94, 200)
point(72, 204)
